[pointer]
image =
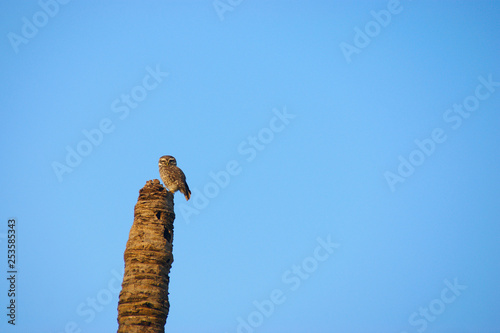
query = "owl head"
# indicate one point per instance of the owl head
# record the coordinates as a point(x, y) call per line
point(167, 160)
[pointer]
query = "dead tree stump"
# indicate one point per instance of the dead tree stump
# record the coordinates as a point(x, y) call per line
point(143, 305)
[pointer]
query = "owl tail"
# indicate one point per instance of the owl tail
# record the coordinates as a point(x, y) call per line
point(187, 193)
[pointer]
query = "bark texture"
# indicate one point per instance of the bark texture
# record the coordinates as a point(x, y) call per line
point(143, 305)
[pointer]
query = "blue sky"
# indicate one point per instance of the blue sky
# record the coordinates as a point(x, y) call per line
point(343, 158)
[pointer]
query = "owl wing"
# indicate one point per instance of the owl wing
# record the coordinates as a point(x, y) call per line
point(184, 188)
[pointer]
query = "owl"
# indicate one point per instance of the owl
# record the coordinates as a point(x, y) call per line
point(173, 177)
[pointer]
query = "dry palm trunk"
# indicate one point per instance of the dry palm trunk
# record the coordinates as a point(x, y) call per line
point(143, 304)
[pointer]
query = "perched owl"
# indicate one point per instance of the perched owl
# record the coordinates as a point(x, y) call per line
point(173, 177)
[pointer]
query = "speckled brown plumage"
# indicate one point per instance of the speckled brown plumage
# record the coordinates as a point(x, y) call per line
point(173, 177)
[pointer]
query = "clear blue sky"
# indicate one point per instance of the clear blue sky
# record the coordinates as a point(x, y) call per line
point(343, 158)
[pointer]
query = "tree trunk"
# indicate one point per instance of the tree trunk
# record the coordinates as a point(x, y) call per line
point(143, 304)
